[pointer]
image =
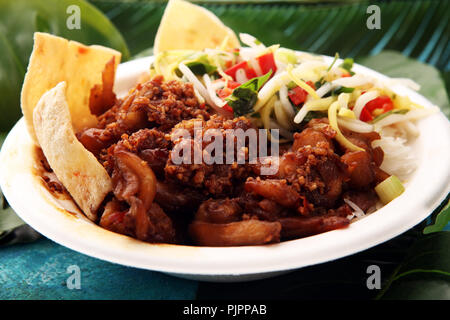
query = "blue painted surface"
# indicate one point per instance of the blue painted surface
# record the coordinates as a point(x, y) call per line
point(39, 270)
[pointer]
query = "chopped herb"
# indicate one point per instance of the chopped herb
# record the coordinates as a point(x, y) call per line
point(200, 68)
point(242, 101)
point(257, 42)
point(199, 65)
point(256, 83)
point(291, 85)
point(337, 91)
point(336, 56)
point(245, 96)
point(313, 115)
point(319, 83)
point(384, 115)
point(348, 65)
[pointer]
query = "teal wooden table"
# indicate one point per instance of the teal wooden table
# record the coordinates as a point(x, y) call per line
point(42, 270)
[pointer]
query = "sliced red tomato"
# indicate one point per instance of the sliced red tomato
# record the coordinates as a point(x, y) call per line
point(267, 62)
point(365, 116)
point(383, 102)
point(233, 84)
point(249, 72)
point(228, 108)
point(298, 95)
point(226, 92)
point(228, 63)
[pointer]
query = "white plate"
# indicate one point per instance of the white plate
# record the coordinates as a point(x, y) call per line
point(37, 207)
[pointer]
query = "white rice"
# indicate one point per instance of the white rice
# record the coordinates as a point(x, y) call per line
point(399, 159)
point(357, 211)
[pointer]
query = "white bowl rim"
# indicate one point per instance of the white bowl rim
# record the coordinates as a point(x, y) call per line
point(427, 188)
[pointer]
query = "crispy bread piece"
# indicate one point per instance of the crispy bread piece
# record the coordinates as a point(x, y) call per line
point(78, 170)
point(55, 59)
point(188, 26)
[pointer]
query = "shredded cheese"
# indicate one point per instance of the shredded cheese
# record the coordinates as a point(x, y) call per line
point(302, 84)
point(332, 117)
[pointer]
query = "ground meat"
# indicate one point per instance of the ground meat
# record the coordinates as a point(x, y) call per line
point(359, 167)
point(151, 145)
point(363, 166)
point(364, 199)
point(134, 184)
point(172, 183)
point(263, 209)
point(174, 198)
point(318, 133)
point(276, 190)
point(312, 168)
point(214, 179)
point(163, 104)
point(219, 211)
point(153, 104)
point(240, 233)
point(302, 227)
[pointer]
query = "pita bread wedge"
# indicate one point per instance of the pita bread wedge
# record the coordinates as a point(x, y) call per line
point(187, 26)
point(78, 170)
point(56, 59)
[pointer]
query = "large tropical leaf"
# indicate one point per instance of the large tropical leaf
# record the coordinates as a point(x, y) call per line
point(425, 273)
point(19, 19)
point(418, 29)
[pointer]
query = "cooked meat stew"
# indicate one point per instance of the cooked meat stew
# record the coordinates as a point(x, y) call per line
point(159, 200)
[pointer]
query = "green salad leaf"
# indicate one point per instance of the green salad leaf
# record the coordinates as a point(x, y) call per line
point(199, 64)
point(348, 65)
point(245, 96)
point(200, 68)
point(336, 57)
point(337, 91)
point(19, 19)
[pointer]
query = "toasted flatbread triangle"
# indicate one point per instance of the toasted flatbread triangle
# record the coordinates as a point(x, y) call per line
point(188, 26)
point(55, 59)
point(78, 170)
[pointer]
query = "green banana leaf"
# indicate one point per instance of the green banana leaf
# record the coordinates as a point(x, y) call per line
point(419, 29)
point(19, 19)
point(425, 273)
point(440, 218)
point(8, 218)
